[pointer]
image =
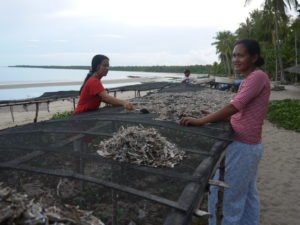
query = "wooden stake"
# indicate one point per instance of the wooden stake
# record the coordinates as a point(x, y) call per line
point(25, 107)
point(219, 204)
point(12, 113)
point(48, 108)
point(36, 112)
point(74, 103)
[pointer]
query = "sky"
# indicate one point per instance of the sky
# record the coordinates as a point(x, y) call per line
point(129, 32)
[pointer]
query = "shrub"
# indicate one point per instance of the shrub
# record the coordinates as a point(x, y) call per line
point(285, 113)
point(60, 115)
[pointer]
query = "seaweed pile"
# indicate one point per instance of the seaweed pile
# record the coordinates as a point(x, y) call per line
point(17, 208)
point(142, 146)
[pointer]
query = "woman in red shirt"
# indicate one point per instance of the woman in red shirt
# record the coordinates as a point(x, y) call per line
point(92, 92)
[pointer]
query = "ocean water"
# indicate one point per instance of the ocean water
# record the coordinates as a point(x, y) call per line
point(13, 75)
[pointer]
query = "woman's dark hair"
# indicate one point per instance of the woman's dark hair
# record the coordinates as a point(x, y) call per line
point(97, 60)
point(187, 71)
point(253, 48)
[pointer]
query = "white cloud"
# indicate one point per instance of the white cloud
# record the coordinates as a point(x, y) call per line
point(60, 41)
point(130, 32)
point(192, 13)
point(31, 46)
point(34, 40)
point(115, 36)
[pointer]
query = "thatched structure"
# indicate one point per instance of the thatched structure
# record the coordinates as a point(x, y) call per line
point(294, 71)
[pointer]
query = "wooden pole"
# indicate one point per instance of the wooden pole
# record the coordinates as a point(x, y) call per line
point(48, 108)
point(25, 107)
point(36, 112)
point(219, 205)
point(12, 113)
point(74, 104)
point(296, 51)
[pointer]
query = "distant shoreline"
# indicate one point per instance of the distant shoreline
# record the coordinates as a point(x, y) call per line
point(69, 83)
point(195, 69)
point(53, 67)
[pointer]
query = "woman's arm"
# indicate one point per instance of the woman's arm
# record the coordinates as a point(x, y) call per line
point(115, 101)
point(223, 114)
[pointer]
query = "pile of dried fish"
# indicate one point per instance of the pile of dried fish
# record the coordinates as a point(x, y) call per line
point(171, 106)
point(142, 146)
point(17, 208)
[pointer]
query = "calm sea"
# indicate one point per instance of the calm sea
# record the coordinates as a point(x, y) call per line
point(12, 75)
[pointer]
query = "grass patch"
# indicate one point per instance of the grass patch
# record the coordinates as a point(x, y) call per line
point(61, 115)
point(285, 113)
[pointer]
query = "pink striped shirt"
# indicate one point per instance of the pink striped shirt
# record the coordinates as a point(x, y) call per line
point(251, 101)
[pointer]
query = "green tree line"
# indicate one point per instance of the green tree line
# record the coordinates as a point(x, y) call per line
point(197, 69)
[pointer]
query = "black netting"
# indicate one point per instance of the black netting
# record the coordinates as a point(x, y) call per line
point(46, 96)
point(60, 156)
point(142, 87)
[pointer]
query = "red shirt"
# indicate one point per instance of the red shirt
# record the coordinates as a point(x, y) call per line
point(89, 97)
point(251, 101)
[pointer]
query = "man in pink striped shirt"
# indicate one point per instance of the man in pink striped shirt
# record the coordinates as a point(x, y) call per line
point(246, 112)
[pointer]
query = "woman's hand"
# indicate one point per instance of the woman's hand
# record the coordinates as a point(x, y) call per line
point(115, 101)
point(205, 112)
point(222, 114)
point(128, 106)
point(191, 121)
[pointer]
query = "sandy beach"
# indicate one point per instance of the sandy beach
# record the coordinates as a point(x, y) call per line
point(279, 173)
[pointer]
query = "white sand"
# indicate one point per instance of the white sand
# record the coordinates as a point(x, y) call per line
point(279, 173)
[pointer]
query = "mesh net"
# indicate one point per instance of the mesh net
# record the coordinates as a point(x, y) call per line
point(61, 156)
point(142, 87)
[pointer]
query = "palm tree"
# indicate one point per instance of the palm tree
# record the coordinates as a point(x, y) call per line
point(295, 28)
point(262, 28)
point(278, 8)
point(245, 30)
point(224, 45)
point(258, 26)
